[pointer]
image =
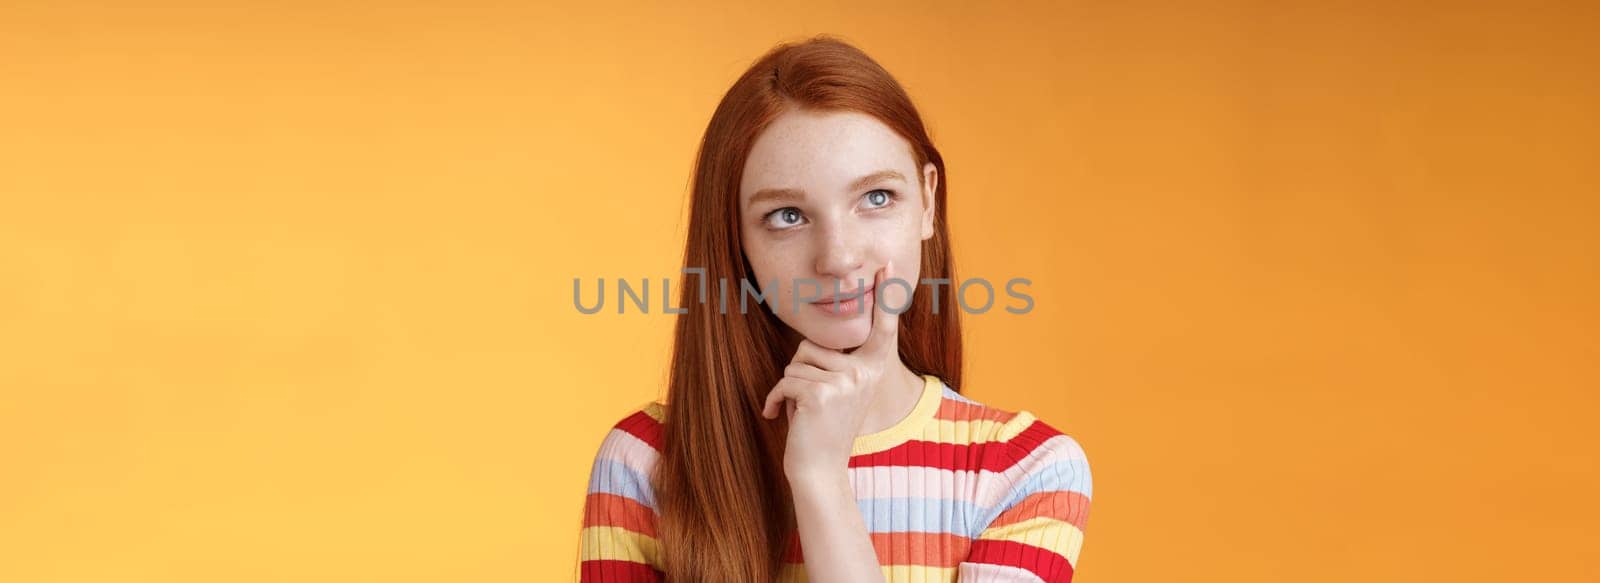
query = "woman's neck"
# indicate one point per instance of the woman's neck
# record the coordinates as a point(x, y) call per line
point(897, 395)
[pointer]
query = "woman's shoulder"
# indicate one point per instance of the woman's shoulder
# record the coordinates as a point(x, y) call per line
point(627, 457)
point(620, 510)
point(1033, 492)
point(639, 428)
point(1025, 441)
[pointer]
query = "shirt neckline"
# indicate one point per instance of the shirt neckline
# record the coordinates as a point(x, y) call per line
point(907, 427)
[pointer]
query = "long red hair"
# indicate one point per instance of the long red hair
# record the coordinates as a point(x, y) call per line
point(725, 507)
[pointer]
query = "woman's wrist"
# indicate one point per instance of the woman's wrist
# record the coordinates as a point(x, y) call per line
point(818, 479)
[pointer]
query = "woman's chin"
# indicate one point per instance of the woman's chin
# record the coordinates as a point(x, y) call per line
point(838, 335)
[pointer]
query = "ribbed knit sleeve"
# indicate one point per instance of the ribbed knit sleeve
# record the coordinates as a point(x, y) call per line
point(618, 542)
point(1034, 531)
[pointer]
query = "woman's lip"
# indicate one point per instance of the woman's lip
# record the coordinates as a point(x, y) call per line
point(855, 305)
point(858, 294)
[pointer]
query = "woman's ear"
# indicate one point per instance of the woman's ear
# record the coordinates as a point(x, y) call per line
point(930, 185)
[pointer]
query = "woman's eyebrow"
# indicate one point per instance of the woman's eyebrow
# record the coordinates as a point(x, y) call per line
point(875, 178)
point(795, 194)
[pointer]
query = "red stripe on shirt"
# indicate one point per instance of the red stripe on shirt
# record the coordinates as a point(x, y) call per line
point(615, 571)
point(605, 509)
point(1051, 567)
point(644, 427)
point(993, 456)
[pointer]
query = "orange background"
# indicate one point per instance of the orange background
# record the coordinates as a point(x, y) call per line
point(287, 286)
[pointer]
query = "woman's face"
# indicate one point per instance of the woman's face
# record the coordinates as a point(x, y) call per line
point(827, 198)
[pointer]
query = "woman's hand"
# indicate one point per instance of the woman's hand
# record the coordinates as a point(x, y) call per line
point(827, 392)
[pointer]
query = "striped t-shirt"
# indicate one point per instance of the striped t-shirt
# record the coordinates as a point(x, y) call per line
point(956, 491)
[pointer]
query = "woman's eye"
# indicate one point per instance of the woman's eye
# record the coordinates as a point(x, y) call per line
point(878, 198)
point(783, 218)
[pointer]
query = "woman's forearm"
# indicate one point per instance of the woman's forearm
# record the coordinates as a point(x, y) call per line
point(833, 535)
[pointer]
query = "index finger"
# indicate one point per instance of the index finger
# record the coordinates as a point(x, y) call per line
point(889, 298)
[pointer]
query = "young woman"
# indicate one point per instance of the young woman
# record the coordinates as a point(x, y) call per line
point(819, 434)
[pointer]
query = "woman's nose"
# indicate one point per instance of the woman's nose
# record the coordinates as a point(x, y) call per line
point(840, 251)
